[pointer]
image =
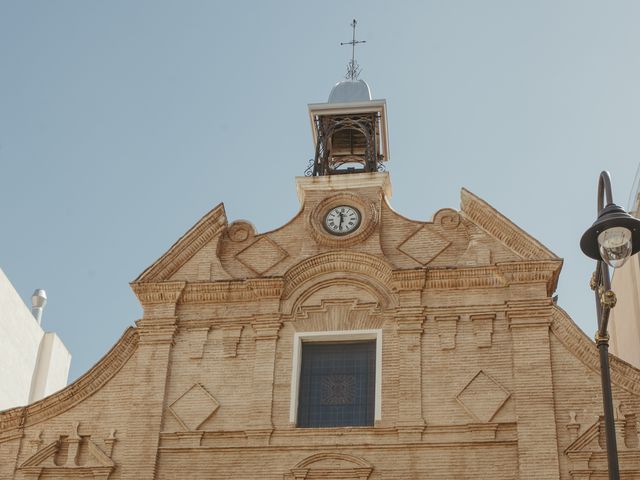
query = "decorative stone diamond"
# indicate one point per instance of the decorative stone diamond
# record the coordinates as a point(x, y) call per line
point(194, 407)
point(424, 245)
point(482, 397)
point(261, 255)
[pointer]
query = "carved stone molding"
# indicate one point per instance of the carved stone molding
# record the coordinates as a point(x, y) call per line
point(498, 226)
point(240, 231)
point(47, 461)
point(409, 285)
point(261, 255)
point(340, 261)
point(191, 242)
point(232, 290)
point(218, 292)
point(430, 240)
point(465, 311)
point(478, 277)
point(156, 331)
point(483, 432)
point(482, 397)
point(447, 328)
point(265, 287)
point(409, 279)
point(266, 326)
point(73, 394)
point(424, 245)
point(346, 314)
point(258, 437)
point(409, 320)
point(482, 328)
point(337, 466)
point(529, 313)
point(158, 293)
point(542, 271)
point(194, 407)
point(587, 453)
point(622, 374)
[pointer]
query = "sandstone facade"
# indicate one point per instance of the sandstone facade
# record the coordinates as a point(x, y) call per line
point(481, 375)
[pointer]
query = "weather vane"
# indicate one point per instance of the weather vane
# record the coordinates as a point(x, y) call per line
point(353, 69)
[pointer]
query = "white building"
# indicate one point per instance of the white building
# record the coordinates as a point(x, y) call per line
point(33, 363)
point(624, 323)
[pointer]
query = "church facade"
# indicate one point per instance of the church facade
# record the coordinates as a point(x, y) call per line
point(350, 343)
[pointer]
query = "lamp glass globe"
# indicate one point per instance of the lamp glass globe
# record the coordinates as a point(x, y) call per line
point(615, 246)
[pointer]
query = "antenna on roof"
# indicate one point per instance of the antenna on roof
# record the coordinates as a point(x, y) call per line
point(353, 69)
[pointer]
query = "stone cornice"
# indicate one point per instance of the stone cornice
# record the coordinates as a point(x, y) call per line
point(337, 183)
point(435, 436)
point(217, 292)
point(409, 320)
point(251, 289)
point(472, 277)
point(266, 287)
point(501, 228)
point(232, 290)
point(622, 374)
point(337, 261)
point(499, 275)
point(544, 271)
point(409, 279)
point(266, 326)
point(158, 293)
point(79, 390)
point(201, 233)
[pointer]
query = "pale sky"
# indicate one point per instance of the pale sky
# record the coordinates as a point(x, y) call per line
point(124, 122)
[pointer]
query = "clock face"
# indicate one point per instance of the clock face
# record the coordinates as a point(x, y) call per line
point(342, 220)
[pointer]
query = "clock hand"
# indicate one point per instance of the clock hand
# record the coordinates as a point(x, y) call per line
point(341, 220)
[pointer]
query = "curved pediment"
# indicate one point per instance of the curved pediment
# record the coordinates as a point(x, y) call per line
point(79, 390)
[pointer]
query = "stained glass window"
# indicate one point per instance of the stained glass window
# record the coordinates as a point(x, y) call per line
point(337, 384)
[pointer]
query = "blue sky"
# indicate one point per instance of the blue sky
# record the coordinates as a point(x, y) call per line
point(123, 122)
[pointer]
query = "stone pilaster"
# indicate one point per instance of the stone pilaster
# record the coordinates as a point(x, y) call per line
point(156, 336)
point(266, 329)
point(409, 328)
point(529, 322)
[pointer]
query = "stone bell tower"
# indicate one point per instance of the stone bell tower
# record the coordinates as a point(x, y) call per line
point(350, 129)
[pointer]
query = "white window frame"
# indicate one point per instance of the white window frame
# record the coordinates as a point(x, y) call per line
point(333, 336)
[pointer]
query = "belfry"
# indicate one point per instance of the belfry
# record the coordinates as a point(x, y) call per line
point(350, 129)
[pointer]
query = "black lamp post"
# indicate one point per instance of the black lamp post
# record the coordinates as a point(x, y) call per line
point(611, 240)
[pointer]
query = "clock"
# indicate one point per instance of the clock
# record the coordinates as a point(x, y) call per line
point(342, 220)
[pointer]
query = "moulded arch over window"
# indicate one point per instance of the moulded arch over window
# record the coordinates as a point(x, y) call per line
point(367, 272)
point(336, 466)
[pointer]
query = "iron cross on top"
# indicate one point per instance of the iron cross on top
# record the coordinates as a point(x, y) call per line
point(353, 69)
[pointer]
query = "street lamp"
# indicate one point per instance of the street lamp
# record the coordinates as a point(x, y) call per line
point(611, 240)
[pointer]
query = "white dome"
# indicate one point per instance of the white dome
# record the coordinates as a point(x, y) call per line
point(350, 91)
